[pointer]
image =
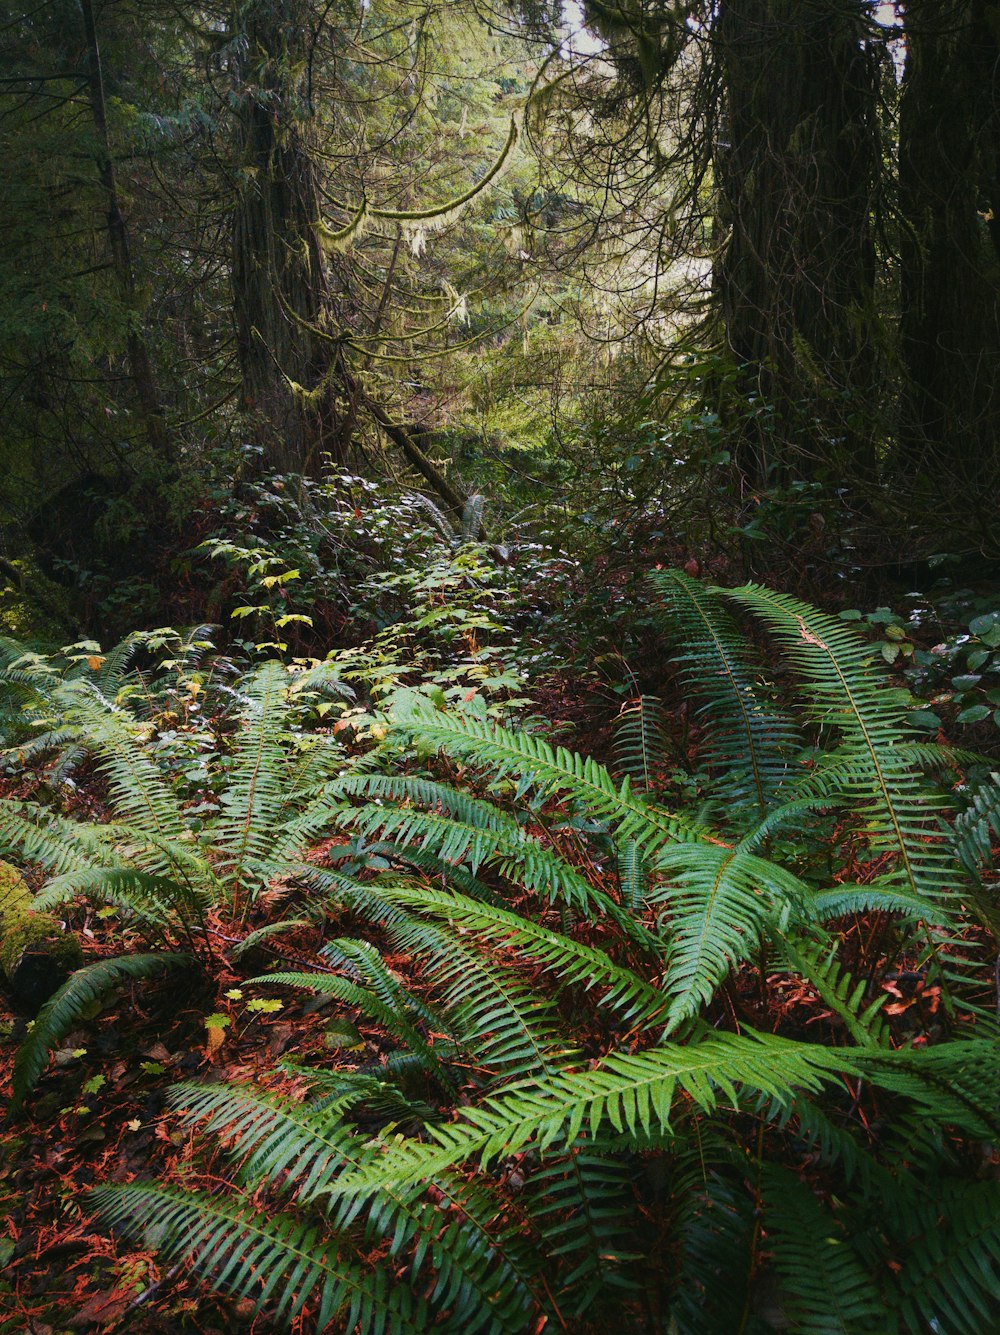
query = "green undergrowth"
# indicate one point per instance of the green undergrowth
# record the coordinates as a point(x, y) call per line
point(727, 1064)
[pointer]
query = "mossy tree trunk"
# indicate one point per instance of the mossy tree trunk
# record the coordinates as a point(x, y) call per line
point(139, 362)
point(797, 167)
point(281, 285)
point(950, 192)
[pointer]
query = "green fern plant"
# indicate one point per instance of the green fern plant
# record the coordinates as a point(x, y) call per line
point(164, 868)
point(155, 858)
point(599, 977)
point(86, 986)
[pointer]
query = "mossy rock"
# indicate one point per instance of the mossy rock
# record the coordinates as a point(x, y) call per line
point(15, 897)
point(37, 955)
point(34, 930)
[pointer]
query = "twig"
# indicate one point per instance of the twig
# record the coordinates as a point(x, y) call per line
point(280, 954)
point(150, 1292)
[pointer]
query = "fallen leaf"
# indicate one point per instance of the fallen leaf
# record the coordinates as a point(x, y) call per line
point(100, 1310)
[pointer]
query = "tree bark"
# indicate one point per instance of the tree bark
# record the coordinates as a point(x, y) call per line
point(797, 165)
point(950, 197)
point(280, 282)
point(140, 365)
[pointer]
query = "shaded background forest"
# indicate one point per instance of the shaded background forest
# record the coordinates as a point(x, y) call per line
point(717, 281)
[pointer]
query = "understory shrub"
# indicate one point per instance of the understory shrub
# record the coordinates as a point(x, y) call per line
point(731, 1069)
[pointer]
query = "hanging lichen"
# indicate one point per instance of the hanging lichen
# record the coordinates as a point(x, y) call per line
point(416, 223)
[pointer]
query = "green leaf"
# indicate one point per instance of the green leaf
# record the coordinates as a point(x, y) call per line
point(987, 628)
point(342, 1033)
point(923, 718)
point(974, 714)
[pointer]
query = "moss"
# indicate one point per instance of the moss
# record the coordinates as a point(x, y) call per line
point(23, 930)
point(15, 897)
point(40, 929)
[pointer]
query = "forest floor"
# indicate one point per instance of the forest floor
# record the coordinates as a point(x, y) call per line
point(100, 1113)
point(100, 1116)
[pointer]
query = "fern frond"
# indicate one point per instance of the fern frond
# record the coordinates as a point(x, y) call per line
point(622, 991)
point(435, 868)
point(797, 813)
point(977, 826)
point(158, 900)
point(824, 1136)
point(950, 1255)
point(278, 1258)
point(462, 829)
point(366, 1098)
point(461, 834)
point(115, 665)
point(846, 692)
point(717, 905)
point(63, 737)
point(630, 1094)
point(364, 962)
point(58, 843)
point(320, 759)
point(261, 934)
point(640, 742)
point(508, 1026)
point(713, 1232)
point(841, 993)
point(956, 1083)
point(878, 896)
point(478, 1265)
point(255, 797)
point(63, 1010)
point(632, 877)
point(298, 1151)
point(387, 1002)
point(549, 771)
point(748, 739)
point(829, 1288)
point(581, 1203)
point(140, 793)
point(278, 846)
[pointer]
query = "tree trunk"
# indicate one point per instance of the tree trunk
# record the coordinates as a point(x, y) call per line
point(280, 281)
point(797, 163)
point(950, 196)
point(140, 366)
